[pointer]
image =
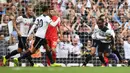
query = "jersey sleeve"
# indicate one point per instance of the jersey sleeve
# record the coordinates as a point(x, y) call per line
point(19, 19)
point(48, 20)
point(36, 21)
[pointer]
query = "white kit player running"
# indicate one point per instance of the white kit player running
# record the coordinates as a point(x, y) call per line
point(41, 23)
point(25, 22)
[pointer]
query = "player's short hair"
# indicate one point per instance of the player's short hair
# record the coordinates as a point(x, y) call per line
point(29, 6)
point(44, 8)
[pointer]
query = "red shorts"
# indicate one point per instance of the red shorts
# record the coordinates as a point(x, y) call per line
point(52, 42)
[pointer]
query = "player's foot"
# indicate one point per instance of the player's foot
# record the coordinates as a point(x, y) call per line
point(55, 65)
point(16, 62)
point(84, 65)
point(104, 65)
point(4, 60)
point(35, 65)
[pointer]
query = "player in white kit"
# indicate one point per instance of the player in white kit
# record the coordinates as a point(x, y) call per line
point(41, 23)
point(25, 22)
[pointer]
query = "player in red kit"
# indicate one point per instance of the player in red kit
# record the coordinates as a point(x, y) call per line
point(52, 35)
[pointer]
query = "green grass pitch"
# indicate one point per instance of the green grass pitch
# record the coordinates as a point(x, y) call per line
point(65, 70)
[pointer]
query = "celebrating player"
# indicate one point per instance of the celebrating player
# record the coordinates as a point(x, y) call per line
point(106, 38)
point(41, 23)
point(25, 23)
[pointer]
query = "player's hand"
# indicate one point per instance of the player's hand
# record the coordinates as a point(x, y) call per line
point(19, 33)
point(27, 40)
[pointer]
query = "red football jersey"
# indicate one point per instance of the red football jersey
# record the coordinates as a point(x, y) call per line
point(51, 30)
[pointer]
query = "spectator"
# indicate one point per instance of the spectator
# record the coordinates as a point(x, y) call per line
point(4, 25)
point(63, 47)
point(87, 51)
point(77, 17)
point(126, 46)
point(76, 47)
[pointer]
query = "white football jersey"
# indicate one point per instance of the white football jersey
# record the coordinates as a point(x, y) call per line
point(25, 24)
point(96, 30)
point(42, 23)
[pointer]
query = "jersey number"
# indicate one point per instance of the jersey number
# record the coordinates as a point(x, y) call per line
point(40, 22)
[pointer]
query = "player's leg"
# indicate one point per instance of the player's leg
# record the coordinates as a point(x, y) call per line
point(37, 45)
point(11, 54)
point(53, 47)
point(26, 47)
point(52, 42)
point(49, 53)
point(100, 54)
point(47, 59)
point(106, 58)
point(48, 50)
point(19, 50)
point(129, 62)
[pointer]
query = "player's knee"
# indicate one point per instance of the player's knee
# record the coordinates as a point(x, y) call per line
point(33, 51)
point(19, 50)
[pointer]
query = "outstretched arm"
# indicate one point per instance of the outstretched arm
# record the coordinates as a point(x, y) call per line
point(32, 29)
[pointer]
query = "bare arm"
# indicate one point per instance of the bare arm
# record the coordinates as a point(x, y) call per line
point(15, 27)
point(32, 29)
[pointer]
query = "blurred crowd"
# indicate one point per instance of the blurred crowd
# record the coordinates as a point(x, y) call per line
point(78, 19)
